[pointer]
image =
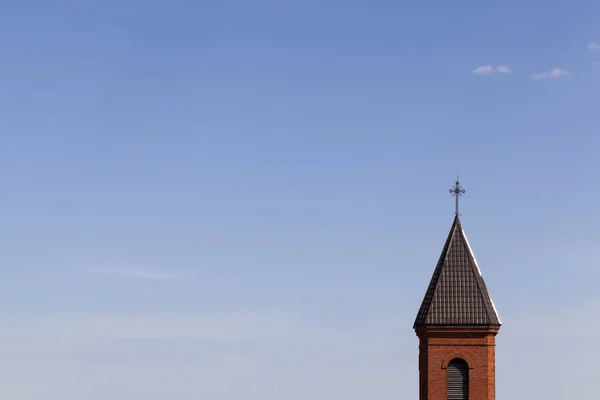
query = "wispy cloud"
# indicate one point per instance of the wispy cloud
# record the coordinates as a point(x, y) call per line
point(594, 46)
point(274, 359)
point(143, 273)
point(553, 73)
point(158, 326)
point(272, 355)
point(489, 69)
point(572, 318)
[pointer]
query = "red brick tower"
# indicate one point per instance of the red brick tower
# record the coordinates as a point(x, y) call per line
point(457, 326)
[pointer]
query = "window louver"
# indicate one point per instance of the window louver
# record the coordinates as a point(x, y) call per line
point(458, 380)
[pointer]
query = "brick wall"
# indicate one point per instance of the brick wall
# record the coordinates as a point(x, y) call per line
point(439, 345)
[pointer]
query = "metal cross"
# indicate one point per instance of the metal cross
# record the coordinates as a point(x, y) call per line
point(457, 191)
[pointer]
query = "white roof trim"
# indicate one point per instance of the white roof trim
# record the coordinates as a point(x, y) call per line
point(479, 270)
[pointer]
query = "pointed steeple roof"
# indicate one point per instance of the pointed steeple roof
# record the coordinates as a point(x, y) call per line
point(457, 294)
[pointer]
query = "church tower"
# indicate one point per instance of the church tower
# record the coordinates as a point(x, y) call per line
point(457, 326)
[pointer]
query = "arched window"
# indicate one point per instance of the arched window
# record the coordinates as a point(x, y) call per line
point(458, 380)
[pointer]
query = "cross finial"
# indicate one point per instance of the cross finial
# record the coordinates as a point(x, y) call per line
point(457, 191)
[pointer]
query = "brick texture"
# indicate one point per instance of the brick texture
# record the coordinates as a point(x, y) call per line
point(439, 345)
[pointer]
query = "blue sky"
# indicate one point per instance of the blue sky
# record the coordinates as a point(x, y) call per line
point(227, 199)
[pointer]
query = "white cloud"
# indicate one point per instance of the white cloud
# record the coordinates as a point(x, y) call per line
point(593, 46)
point(143, 273)
point(488, 69)
point(484, 69)
point(553, 73)
point(503, 69)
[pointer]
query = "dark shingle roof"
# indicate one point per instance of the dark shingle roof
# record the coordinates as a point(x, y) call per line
point(457, 294)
